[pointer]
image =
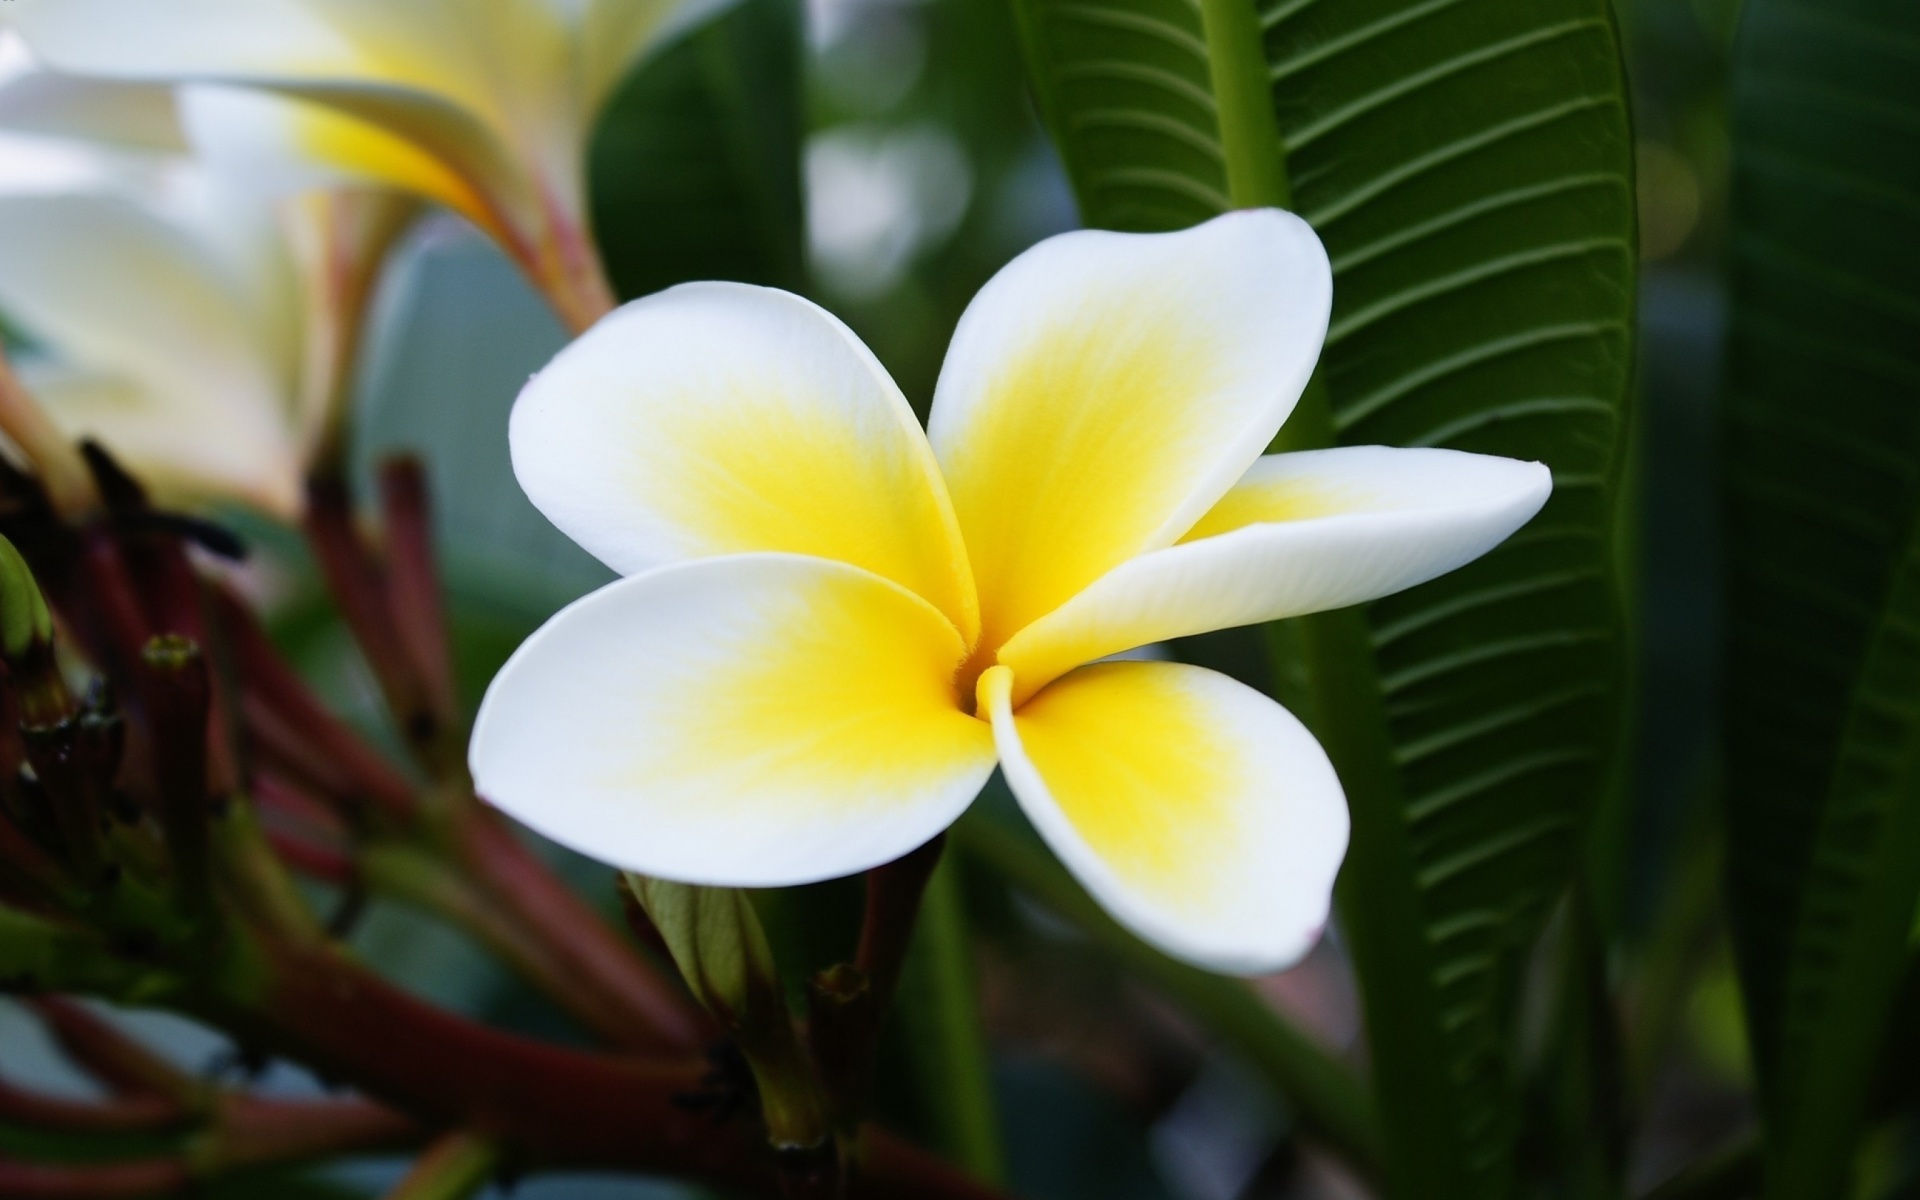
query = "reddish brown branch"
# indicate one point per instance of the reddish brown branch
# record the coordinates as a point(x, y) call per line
point(246, 1132)
point(282, 712)
point(545, 1104)
point(94, 1181)
point(356, 580)
point(893, 908)
point(113, 1058)
point(252, 1131)
point(586, 948)
point(413, 586)
point(34, 1110)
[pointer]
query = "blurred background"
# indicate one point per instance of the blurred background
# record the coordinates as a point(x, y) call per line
point(923, 170)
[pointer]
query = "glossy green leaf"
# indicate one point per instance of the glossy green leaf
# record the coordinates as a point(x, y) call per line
point(939, 1007)
point(1467, 163)
point(696, 163)
point(1822, 480)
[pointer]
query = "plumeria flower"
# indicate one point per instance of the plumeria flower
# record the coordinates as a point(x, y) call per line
point(198, 328)
point(834, 625)
point(484, 105)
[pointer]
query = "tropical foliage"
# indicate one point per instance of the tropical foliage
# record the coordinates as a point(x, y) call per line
point(1523, 523)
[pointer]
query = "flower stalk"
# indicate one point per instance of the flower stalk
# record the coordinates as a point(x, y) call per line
point(717, 942)
point(178, 696)
point(847, 1003)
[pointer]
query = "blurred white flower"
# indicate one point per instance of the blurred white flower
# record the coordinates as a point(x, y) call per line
point(876, 198)
point(197, 329)
point(485, 106)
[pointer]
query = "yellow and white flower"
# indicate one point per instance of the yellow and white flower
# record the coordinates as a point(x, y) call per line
point(197, 328)
point(834, 625)
point(483, 105)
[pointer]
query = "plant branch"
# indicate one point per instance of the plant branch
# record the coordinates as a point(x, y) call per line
point(541, 1103)
point(650, 1010)
point(33, 1110)
point(123, 1065)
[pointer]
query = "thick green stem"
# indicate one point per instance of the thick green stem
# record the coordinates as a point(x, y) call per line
point(940, 1006)
point(1243, 97)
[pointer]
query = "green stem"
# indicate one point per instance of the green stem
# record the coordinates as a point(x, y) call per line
point(454, 1168)
point(942, 1012)
point(1325, 1095)
point(1243, 97)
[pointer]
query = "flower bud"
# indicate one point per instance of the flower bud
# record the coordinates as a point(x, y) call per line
point(26, 642)
point(717, 942)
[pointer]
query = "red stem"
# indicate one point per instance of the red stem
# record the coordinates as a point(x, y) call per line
point(113, 1058)
point(253, 1131)
point(550, 1103)
point(283, 712)
point(120, 626)
point(289, 802)
point(894, 891)
point(546, 1104)
point(122, 1115)
point(305, 858)
point(413, 585)
point(662, 1017)
point(106, 1181)
point(357, 582)
point(248, 1132)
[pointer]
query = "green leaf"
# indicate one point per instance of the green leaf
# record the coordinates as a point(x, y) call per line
point(939, 1007)
point(1467, 163)
point(1822, 483)
point(696, 163)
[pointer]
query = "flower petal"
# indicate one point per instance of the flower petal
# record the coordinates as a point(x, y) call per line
point(1104, 389)
point(137, 116)
point(1301, 533)
point(184, 39)
point(456, 85)
point(719, 418)
point(185, 451)
point(1199, 812)
point(755, 720)
point(286, 146)
point(161, 327)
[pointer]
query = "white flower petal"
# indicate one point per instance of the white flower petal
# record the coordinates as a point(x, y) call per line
point(134, 116)
point(1199, 812)
point(182, 39)
point(719, 418)
point(452, 82)
point(181, 450)
point(756, 720)
point(1104, 389)
point(162, 326)
point(280, 146)
point(1301, 533)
